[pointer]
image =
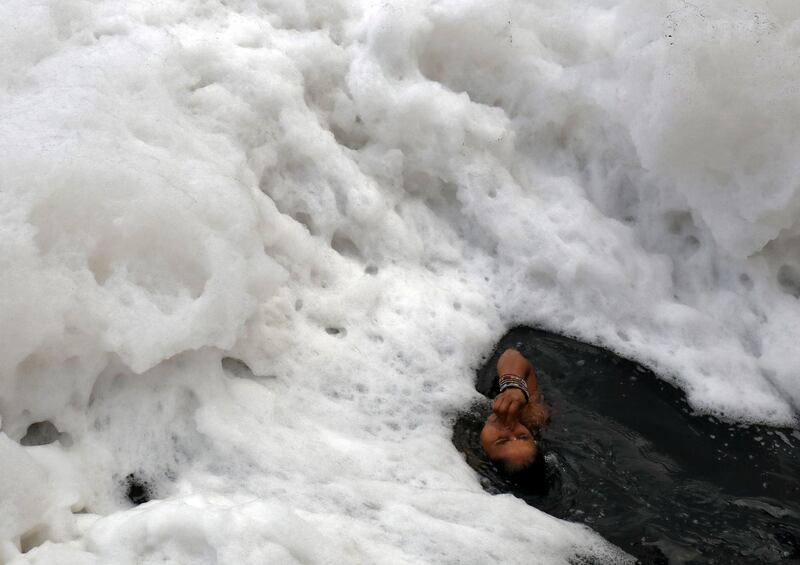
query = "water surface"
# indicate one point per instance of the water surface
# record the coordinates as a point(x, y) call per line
point(627, 456)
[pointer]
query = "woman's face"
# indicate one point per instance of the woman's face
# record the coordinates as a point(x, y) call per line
point(513, 446)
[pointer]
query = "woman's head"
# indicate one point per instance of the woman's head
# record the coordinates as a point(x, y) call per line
point(501, 472)
point(511, 447)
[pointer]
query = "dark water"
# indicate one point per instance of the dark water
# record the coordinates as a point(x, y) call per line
point(627, 457)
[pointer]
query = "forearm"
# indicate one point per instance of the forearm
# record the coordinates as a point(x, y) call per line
point(512, 362)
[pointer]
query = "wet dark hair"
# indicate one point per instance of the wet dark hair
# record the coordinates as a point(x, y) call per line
point(530, 477)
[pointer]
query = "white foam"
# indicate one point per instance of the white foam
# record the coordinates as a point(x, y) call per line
point(357, 200)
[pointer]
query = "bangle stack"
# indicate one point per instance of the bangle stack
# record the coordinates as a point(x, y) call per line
point(514, 381)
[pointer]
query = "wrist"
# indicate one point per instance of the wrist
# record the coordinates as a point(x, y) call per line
point(511, 381)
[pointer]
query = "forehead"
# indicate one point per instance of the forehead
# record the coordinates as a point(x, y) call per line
point(492, 432)
point(512, 451)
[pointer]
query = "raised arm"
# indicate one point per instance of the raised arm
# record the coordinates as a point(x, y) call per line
point(514, 363)
point(512, 405)
point(513, 368)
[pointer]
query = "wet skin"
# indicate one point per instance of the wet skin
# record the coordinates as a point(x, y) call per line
point(512, 444)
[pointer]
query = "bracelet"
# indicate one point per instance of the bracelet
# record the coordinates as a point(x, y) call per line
point(514, 381)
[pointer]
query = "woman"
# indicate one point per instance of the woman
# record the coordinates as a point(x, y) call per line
point(518, 411)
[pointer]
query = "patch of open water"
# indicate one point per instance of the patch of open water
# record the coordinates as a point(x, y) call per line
point(627, 456)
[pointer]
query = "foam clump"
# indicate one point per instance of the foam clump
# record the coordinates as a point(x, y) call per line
point(353, 201)
point(23, 489)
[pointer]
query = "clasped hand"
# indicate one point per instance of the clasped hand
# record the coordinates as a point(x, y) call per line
point(507, 405)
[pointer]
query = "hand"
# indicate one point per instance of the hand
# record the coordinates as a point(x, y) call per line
point(507, 406)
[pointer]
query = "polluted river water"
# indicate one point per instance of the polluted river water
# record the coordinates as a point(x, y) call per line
point(626, 455)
